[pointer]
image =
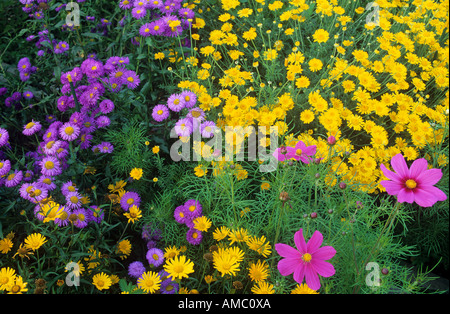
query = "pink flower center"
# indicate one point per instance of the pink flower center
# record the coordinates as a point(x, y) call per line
point(411, 184)
point(306, 257)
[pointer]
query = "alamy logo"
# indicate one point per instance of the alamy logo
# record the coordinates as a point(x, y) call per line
point(233, 140)
point(73, 277)
point(373, 17)
point(373, 277)
point(73, 17)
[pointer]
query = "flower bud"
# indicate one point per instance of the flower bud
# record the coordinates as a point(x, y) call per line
point(331, 140)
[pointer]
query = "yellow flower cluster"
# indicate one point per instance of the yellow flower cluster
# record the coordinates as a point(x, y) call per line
point(380, 91)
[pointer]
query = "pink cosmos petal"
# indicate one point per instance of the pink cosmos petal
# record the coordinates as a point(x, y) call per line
point(418, 167)
point(392, 187)
point(429, 196)
point(311, 278)
point(399, 165)
point(405, 195)
point(300, 145)
point(315, 242)
point(287, 266)
point(323, 253)
point(291, 153)
point(429, 177)
point(310, 150)
point(288, 251)
point(300, 242)
point(299, 273)
point(278, 155)
point(323, 268)
point(389, 174)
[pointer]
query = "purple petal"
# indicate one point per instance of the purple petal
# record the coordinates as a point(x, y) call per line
point(429, 177)
point(311, 278)
point(299, 273)
point(300, 145)
point(323, 268)
point(315, 242)
point(417, 168)
point(389, 174)
point(287, 266)
point(405, 195)
point(392, 187)
point(427, 197)
point(324, 253)
point(300, 242)
point(399, 165)
point(285, 250)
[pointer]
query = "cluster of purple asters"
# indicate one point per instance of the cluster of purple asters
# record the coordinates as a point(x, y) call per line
point(169, 18)
point(83, 86)
point(16, 98)
point(43, 41)
point(25, 69)
point(185, 214)
point(195, 119)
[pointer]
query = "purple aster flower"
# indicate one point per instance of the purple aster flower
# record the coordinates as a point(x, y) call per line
point(31, 128)
point(190, 98)
point(28, 95)
point(104, 147)
point(85, 140)
point(88, 125)
point(176, 102)
point(95, 214)
point(194, 237)
point(106, 106)
point(155, 4)
point(73, 200)
point(183, 127)
point(51, 147)
point(4, 137)
point(193, 208)
point(169, 287)
point(68, 187)
point(28, 176)
point(155, 257)
point(25, 190)
point(89, 98)
point(207, 129)
point(102, 121)
point(63, 219)
point(131, 79)
point(160, 113)
point(138, 13)
point(126, 4)
point(81, 221)
point(181, 214)
point(50, 166)
point(173, 26)
point(24, 65)
point(129, 199)
point(69, 131)
point(3, 91)
point(144, 30)
point(186, 13)
point(92, 68)
point(47, 182)
point(24, 76)
point(157, 27)
point(14, 178)
point(136, 269)
point(5, 167)
point(37, 193)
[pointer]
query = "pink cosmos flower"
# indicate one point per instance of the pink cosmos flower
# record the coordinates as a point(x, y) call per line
point(299, 152)
point(414, 184)
point(307, 261)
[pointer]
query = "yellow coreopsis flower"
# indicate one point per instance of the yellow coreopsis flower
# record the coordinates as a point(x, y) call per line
point(202, 223)
point(136, 173)
point(321, 36)
point(101, 281)
point(133, 214)
point(149, 282)
point(35, 241)
point(179, 267)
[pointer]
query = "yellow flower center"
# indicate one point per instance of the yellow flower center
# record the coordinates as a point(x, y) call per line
point(411, 184)
point(306, 257)
point(69, 130)
point(74, 199)
point(155, 257)
point(130, 201)
point(298, 152)
point(160, 112)
point(178, 268)
point(94, 68)
point(29, 125)
point(130, 79)
point(49, 165)
point(47, 181)
point(192, 208)
point(195, 235)
point(195, 114)
point(15, 289)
